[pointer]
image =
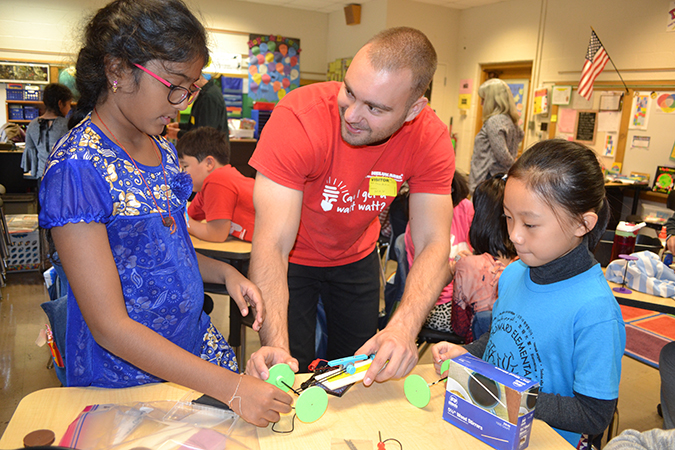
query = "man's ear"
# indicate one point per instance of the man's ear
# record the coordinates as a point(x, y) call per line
point(588, 221)
point(416, 108)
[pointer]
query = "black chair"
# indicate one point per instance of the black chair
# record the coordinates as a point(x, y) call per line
point(238, 323)
point(428, 336)
point(670, 202)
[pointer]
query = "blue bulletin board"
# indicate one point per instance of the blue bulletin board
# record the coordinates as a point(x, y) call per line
point(273, 68)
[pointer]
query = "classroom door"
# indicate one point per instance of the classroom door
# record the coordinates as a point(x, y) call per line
point(517, 75)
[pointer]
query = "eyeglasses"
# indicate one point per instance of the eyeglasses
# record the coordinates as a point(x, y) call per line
point(177, 94)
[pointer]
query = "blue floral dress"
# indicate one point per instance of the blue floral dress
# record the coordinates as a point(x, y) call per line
point(90, 179)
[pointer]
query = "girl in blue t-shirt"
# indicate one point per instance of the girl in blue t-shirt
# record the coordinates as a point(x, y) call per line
point(556, 321)
point(114, 199)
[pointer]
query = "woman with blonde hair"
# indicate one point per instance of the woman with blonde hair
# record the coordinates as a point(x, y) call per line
point(496, 145)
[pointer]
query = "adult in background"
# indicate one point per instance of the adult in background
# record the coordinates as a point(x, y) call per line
point(208, 110)
point(332, 157)
point(43, 132)
point(496, 145)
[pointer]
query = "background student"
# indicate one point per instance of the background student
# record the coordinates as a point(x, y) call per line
point(43, 132)
point(556, 320)
point(224, 196)
point(477, 275)
point(114, 197)
point(462, 215)
point(208, 110)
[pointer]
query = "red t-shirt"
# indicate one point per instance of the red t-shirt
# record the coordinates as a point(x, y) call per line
point(228, 195)
point(301, 148)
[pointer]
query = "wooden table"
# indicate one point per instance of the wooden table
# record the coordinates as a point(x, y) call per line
point(359, 415)
point(645, 301)
point(232, 248)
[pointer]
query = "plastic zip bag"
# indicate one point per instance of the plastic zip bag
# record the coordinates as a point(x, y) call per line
point(161, 425)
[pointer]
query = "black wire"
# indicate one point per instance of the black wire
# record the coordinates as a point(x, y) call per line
point(287, 431)
point(285, 384)
point(395, 440)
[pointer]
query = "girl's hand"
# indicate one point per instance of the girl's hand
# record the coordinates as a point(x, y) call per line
point(245, 293)
point(443, 351)
point(260, 403)
point(452, 264)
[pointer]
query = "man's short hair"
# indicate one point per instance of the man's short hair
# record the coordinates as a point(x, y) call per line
point(404, 48)
point(205, 141)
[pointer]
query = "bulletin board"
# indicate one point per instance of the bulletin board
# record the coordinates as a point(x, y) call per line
point(638, 135)
point(584, 121)
point(649, 143)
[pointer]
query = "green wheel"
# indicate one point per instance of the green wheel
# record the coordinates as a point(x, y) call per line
point(417, 391)
point(444, 367)
point(311, 404)
point(280, 374)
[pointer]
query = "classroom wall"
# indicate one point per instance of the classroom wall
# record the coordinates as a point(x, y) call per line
point(634, 34)
point(441, 25)
point(345, 40)
point(502, 32)
point(48, 30)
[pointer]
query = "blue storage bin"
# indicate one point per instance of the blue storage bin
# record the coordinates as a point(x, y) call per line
point(15, 112)
point(32, 93)
point(30, 112)
point(14, 94)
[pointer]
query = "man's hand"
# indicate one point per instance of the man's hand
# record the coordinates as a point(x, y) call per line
point(245, 293)
point(260, 361)
point(395, 355)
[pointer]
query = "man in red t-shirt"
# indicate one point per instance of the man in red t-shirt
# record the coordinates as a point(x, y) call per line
point(224, 196)
point(330, 159)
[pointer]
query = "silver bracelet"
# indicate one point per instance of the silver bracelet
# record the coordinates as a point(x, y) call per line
point(235, 396)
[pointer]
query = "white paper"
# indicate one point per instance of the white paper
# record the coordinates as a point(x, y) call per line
point(641, 141)
point(610, 102)
point(561, 95)
point(581, 104)
point(609, 121)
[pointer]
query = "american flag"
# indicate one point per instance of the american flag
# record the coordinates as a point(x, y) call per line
point(596, 59)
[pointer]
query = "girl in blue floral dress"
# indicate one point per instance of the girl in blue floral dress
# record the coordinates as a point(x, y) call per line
point(114, 199)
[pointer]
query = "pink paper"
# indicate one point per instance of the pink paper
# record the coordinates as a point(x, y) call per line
point(567, 119)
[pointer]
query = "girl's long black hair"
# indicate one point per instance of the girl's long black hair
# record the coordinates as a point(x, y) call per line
point(134, 32)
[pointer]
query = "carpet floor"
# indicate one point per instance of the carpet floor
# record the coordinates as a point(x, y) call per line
point(646, 333)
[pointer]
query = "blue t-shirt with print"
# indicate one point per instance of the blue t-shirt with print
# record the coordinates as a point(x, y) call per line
point(569, 335)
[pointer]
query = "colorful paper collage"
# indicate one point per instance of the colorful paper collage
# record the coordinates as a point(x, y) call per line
point(665, 103)
point(274, 67)
point(639, 116)
point(518, 91)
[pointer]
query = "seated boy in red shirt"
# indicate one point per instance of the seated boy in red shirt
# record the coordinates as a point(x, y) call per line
point(224, 196)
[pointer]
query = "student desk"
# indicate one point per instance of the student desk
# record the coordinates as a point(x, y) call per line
point(645, 301)
point(233, 249)
point(238, 253)
point(359, 415)
point(637, 188)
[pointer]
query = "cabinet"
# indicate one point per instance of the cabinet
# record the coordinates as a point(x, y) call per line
point(30, 109)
